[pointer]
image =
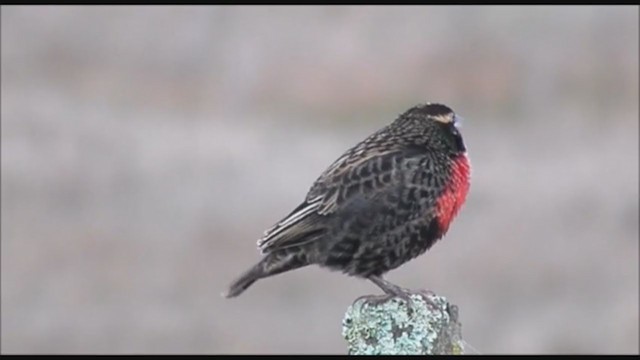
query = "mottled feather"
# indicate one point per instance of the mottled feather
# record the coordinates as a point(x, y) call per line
point(336, 186)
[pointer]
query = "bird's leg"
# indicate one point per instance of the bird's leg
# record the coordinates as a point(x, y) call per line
point(391, 290)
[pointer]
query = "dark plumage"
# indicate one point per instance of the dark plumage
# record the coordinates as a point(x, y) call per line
point(382, 203)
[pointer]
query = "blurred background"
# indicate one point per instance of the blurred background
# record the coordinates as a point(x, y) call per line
point(145, 150)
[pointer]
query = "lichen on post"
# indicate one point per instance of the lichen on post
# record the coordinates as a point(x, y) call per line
point(391, 328)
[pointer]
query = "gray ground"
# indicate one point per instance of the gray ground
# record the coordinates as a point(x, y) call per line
point(144, 150)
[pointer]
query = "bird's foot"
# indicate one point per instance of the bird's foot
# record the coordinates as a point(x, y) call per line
point(401, 293)
point(374, 300)
point(391, 290)
point(426, 295)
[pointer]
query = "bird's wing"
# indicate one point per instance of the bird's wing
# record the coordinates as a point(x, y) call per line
point(363, 174)
point(300, 226)
point(358, 173)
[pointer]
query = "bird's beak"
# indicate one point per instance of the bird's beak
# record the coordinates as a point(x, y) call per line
point(457, 120)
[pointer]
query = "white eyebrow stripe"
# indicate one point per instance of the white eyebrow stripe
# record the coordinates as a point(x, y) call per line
point(445, 119)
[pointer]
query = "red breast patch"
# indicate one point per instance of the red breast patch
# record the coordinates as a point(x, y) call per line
point(454, 194)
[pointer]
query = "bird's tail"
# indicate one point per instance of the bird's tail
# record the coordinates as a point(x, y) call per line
point(272, 264)
point(244, 281)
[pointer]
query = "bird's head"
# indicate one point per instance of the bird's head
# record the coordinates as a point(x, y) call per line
point(433, 125)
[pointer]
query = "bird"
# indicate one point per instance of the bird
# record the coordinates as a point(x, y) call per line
point(382, 203)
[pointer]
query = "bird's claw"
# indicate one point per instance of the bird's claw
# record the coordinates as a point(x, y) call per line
point(375, 300)
point(427, 295)
point(402, 294)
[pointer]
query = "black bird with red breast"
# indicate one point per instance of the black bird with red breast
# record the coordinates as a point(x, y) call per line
point(385, 201)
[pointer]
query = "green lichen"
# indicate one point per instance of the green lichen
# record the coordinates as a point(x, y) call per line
point(393, 328)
